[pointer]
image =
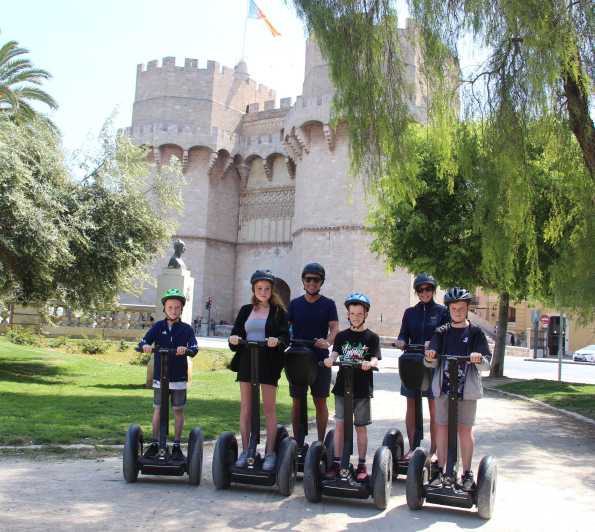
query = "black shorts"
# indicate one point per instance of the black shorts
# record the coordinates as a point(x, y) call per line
point(321, 387)
point(269, 367)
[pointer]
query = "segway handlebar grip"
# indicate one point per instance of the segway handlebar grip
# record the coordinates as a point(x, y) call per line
point(458, 358)
point(301, 342)
point(248, 342)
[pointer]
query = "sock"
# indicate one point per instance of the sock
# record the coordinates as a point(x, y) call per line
point(177, 442)
point(337, 459)
point(362, 461)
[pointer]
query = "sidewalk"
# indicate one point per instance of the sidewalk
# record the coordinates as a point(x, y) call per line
point(546, 482)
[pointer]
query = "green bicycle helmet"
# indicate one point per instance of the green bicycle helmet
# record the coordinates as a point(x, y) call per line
point(173, 293)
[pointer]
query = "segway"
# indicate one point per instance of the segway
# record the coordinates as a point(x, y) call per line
point(451, 492)
point(134, 461)
point(226, 448)
point(345, 485)
point(301, 368)
point(414, 376)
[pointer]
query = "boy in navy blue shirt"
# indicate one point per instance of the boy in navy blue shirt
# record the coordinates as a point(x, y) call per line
point(171, 333)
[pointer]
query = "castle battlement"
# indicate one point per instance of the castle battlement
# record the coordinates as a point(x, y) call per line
point(213, 71)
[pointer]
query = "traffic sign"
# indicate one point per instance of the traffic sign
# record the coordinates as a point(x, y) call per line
point(544, 319)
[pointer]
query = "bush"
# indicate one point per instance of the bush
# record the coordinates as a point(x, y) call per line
point(123, 346)
point(94, 346)
point(21, 336)
point(141, 359)
point(59, 341)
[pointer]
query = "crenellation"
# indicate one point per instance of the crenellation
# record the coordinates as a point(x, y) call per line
point(285, 103)
point(213, 66)
point(269, 105)
point(190, 64)
point(168, 63)
point(152, 65)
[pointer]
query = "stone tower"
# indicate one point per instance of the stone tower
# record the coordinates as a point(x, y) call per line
point(268, 187)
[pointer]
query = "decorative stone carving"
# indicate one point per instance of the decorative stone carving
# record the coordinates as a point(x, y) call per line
point(329, 135)
point(276, 203)
point(290, 163)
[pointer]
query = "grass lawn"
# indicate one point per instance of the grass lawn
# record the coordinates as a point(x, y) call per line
point(60, 397)
point(579, 398)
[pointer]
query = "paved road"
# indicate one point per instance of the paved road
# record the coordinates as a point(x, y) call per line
point(546, 482)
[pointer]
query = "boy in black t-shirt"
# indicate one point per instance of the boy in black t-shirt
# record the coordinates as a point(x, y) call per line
point(360, 344)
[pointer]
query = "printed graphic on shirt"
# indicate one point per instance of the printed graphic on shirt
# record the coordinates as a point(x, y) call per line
point(351, 352)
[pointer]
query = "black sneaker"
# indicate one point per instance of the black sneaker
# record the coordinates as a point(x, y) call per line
point(152, 450)
point(176, 453)
point(437, 479)
point(467, 481)
point(333, 471)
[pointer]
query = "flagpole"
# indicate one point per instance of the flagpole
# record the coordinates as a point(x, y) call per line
point(245, 31)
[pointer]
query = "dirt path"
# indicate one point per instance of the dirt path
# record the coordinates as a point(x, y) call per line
point(546, 482)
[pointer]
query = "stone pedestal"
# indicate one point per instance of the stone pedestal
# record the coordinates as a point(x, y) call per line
point(180, 279)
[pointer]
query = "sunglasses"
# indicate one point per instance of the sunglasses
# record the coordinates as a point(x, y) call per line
point(424, 289)
point(312, 279)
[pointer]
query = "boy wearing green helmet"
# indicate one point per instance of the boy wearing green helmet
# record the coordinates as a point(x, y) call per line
point(172, 333)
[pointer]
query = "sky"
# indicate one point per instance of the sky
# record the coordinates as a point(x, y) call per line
point(92, 47)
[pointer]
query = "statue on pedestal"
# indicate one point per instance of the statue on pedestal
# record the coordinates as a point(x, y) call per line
point(176, 262)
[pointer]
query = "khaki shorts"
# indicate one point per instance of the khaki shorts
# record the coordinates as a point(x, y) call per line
point(466, 411)
point(362, 411)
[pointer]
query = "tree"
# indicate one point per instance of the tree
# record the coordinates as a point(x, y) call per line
point(540, 70)
point(19, 84)
point(78, 242)
point(442, 229)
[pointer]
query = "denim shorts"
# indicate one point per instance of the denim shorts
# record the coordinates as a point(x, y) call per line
point(362, 410)
point(409, 393)
point(178, 398)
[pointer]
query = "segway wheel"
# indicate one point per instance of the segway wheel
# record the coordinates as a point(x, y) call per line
point(486, 487)
point(287, 469)
point(224, 455)
point(415, 479)
point(314, 469)
point(329, 445)
point(132, 450)
point(393, 439)
point(382, 477)
point(195, 444)
point(280, 436)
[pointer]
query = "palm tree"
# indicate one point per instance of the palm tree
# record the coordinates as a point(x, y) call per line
point(19, 85)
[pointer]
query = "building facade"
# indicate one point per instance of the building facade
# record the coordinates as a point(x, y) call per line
point(267, 186)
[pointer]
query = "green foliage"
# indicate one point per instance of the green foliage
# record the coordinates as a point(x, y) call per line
point(19, 85)
point(123, 346)
point(79, 242)
point(22, 336)
point(59, 341)
point(94, 346)
point(141, 359)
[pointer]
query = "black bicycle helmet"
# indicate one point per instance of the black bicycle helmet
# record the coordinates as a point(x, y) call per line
point(313, 268)
point(424, 278)
point(262, 275)
point(457, 294)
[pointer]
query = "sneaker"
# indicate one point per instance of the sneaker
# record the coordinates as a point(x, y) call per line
point(176, 453)
point(361, 472)
point(269, 462)
point(333, 471)
point(242, 460)
point(152, 450)
point(467, 481)
point(437, 479)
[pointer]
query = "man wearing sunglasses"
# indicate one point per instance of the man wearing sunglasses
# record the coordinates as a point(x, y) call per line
point(314, 317)
point(418, 326)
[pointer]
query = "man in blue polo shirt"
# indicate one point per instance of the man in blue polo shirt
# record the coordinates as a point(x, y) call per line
point(171, 332)
point(418, 326)
point(314, 317)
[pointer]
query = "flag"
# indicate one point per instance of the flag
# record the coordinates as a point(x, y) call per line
point(255, 12)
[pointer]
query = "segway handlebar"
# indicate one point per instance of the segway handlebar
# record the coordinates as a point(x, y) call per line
point(301, 342)
point(159, 350)
point(459, 358)
point(241, 341)
point(348, 364)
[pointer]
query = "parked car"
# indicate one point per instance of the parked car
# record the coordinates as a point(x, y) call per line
point(585, 354)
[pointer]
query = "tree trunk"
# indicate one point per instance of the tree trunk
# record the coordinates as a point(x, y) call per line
point(500, 348)
point(579, 117)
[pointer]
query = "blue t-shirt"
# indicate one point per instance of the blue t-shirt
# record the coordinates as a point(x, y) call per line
point(420, 322)
point(311, 320)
